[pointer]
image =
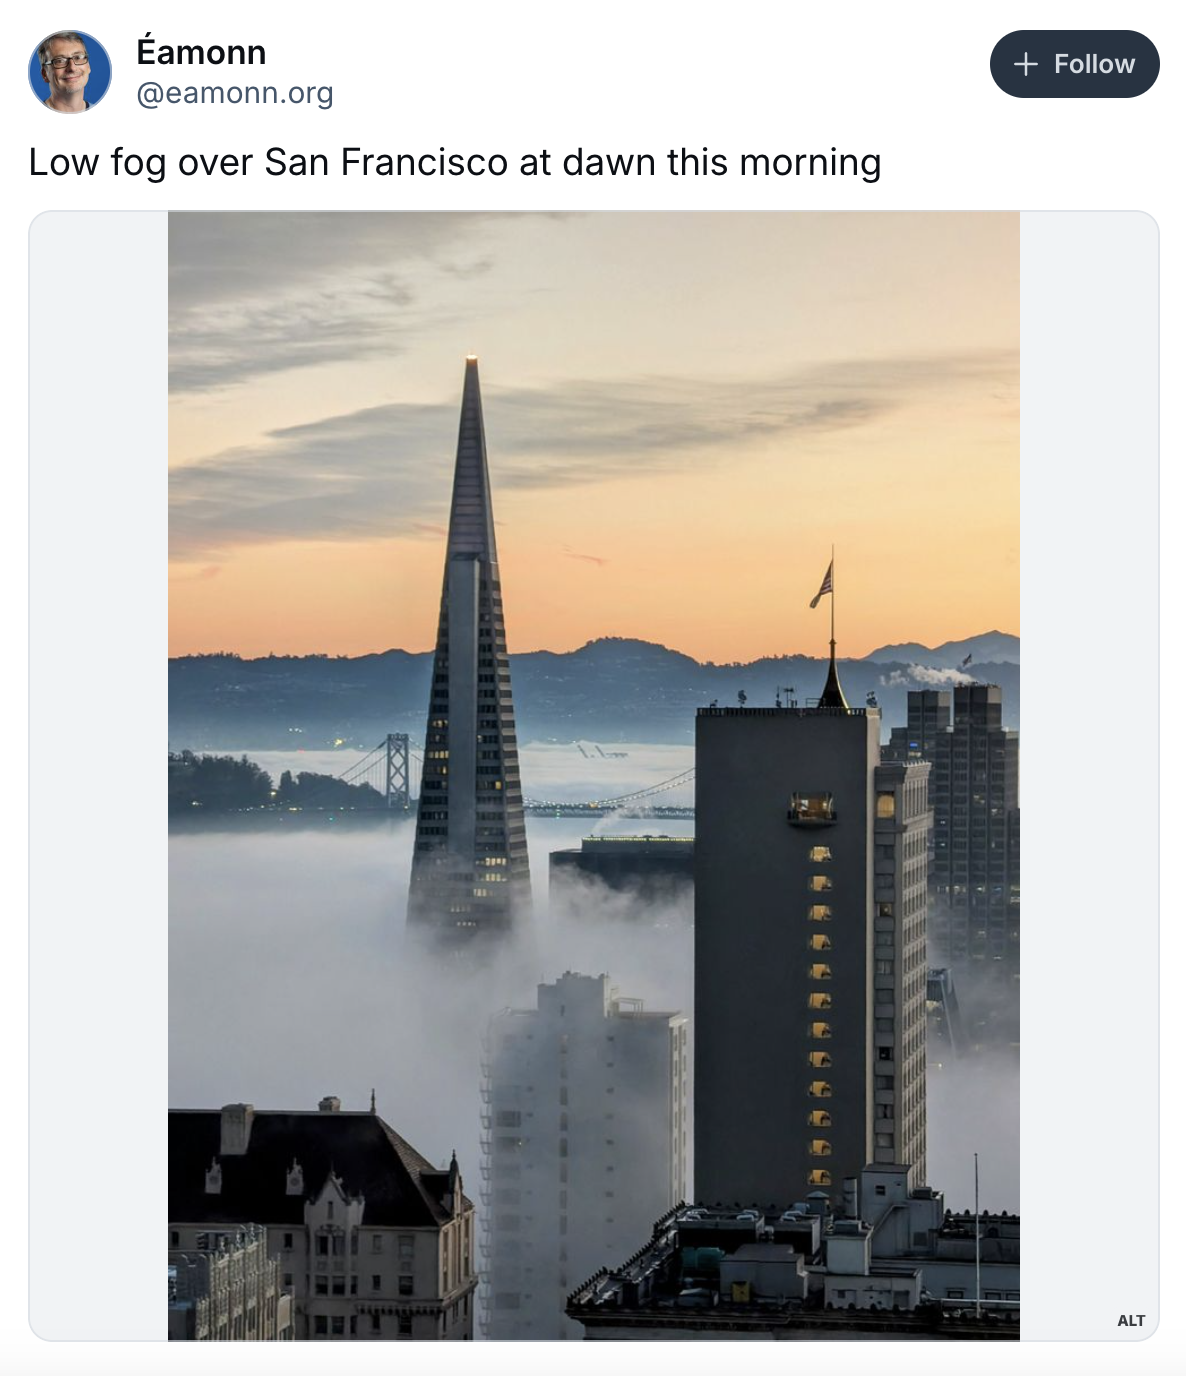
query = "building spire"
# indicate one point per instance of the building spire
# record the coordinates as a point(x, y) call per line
point(833, 694)
point(471, 516)
point(470, 874)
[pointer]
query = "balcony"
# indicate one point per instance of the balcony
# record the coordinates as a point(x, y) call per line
point(811, 810)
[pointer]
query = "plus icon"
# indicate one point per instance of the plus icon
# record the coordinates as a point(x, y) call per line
point(1026, 65)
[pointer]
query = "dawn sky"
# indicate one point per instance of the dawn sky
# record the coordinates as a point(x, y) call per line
point(683, 414)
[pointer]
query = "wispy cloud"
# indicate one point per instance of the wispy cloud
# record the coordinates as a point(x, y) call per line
point(570, 553)
point(202, 575)
point(256, 294)
point(383, 469)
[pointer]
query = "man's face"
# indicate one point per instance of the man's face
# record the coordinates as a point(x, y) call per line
point(73, 76)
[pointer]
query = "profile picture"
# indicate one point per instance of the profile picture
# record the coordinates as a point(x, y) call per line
point(69, 72)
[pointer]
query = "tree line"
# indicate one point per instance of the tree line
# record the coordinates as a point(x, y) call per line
point(222, 783)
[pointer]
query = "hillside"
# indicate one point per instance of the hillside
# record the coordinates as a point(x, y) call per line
point(609, 689)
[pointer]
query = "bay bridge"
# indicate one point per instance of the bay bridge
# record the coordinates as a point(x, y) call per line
point(388, 769)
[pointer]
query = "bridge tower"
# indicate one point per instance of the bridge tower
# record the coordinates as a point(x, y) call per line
point(397, 790)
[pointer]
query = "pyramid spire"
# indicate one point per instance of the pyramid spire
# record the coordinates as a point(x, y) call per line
point(471, 517)
point(469, 867)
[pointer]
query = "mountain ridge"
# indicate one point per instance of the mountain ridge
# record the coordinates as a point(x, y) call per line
point(609, 688)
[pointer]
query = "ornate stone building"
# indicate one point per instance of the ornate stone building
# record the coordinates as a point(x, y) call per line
point(370, 1239)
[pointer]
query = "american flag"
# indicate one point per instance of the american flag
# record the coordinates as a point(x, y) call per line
point(824, 587)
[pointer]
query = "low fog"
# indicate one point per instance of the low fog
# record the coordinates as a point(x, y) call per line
point(290, 980)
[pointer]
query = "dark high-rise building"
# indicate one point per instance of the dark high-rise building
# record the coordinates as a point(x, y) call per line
point(975, 862)
point(810, 940)
point(469, 868)
point(653, 869)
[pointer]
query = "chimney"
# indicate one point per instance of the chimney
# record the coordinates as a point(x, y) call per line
point(330, 1104)
point(236, 1129)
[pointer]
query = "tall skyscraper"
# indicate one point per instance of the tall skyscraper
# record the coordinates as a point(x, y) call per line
point(810, 948)
point(585, 1135)
point(975, 865)
point(470, 877)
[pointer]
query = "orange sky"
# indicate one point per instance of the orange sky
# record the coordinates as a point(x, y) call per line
point(683, 414)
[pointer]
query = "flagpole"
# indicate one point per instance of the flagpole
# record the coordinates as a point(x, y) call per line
point(833, 603)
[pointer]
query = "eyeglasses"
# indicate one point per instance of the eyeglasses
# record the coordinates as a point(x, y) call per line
point(60, 62)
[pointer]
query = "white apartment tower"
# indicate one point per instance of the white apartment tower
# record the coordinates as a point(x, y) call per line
point(584, 1134)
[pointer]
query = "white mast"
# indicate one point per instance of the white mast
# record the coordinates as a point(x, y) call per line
point(976, 1161)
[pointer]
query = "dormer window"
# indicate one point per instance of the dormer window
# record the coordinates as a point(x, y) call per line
point(296, 1180)
point(214, 1178)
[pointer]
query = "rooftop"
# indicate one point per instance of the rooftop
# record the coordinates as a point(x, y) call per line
point(796, 711)
point(707, 1267)
point(368, 1157)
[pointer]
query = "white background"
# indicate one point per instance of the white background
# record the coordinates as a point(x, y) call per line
point(910, 82)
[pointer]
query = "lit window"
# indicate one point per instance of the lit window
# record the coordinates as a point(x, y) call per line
point(808, 809)
point(819, 1000)
point(820, 855)
point(819, 1059)
point(819, 883)
point(819, 972)
point(819, 912)
point(820, 1089)
point(821, 1030)
point(819, 1118)
point(819, 1146)
point(819, 1177)
point(819, 943)
point(885, 805)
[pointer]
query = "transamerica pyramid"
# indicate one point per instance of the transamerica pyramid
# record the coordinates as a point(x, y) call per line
point(470, 877)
